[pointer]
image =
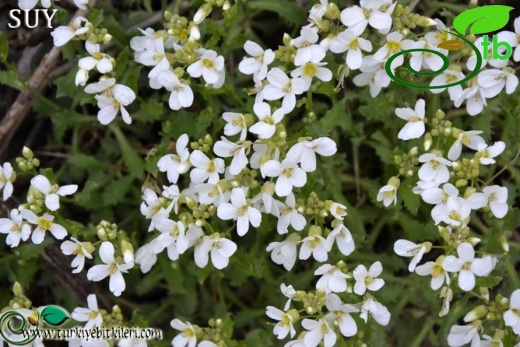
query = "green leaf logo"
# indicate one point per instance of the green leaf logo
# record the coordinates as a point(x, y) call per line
point(54, 315)
point(482, 20)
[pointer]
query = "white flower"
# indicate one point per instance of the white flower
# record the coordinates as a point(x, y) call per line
point(512, 316)
point(172, 236)
point(63, 34)
point(82, 4)
point(493, 81)
point(339, 315)
point(406, 248)
point(285, 322)
point(281, 86)
point(146, 257)
point(347, 40)
point(447, 296)
point(394, 44)
point(343, 239)
point(315, 245)
point(289, 175)
point(226, 149)
point(332, 279)
point(97, 59)
point(373, 75)
point(304, 152)
point(448, 77)
point(264, 201)
point(221, 249)
point(496, 197)
point(318, 331)
point(266, 126)
point(388, 194)
point(370, 13)
point(486, 153)
point(463, 334)
point(367, 279)
point(435, 168)
point(30, 4)
point(187, 337)
point(150, 206)
point(470, 139)
point(7, 177)
point(496, 63)
point(257, 65)
point(378, 311)
point(288, 292)
point(208, 66)
point(289, 215)
point(15, 228)
point(235, 123)
point(181, 94)
point(285, 252)
point(434, 269)
point(43, 224)
point(415, 127)
point(91, 315)
point(426, 59)
point(492, 342)
point(109, 268)
point(113, 100)
point(513, 38)
point(311, 69)
point(475, 99)
point(205, 169)
point(455, 213)
point(52, 193)
point(338, 210)
point(175, 164)
point(240, 210)
point(467, 266)
point(76, 248)
point(307, 49)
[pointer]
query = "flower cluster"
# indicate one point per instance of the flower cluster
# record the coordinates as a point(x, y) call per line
point(448, 179)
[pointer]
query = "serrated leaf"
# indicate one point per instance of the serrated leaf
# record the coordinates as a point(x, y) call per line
point(489, 282)
point(132, 160)
point(121, 63)
point(54, 315)
point(411, 200)
point(10, 78)
point(482, 20)
point(116, 190)
point(286, 9)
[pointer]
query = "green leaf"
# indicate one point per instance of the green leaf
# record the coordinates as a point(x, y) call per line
point(132, 160)
point(411, 200)
point(10, 78)
point(121, 63)
point(54, 315)
point(116, 190)
point(4, 47)
point(489, 282)
point(482, 20)
point(286, 9)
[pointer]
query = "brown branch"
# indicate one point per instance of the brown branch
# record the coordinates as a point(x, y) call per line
point(21, 106)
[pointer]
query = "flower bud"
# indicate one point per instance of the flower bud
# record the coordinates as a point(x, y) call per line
point(202, 13)
point(428, 141)
point(477, 313)
point(128, 251)
point(503, 243)
point(27, 153)
point(17, 289)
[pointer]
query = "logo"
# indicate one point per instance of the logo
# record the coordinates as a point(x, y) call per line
point(481, 20)
point(14, 324)
point(30, 18)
